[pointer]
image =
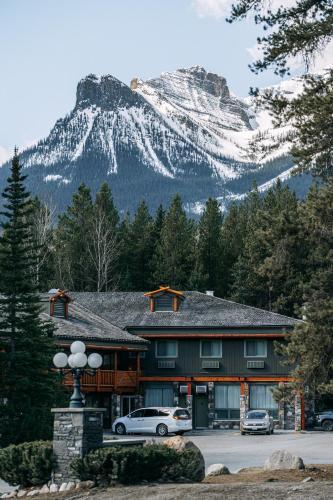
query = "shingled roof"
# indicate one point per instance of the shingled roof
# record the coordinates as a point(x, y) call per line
point(84, 324)
point(198, 310)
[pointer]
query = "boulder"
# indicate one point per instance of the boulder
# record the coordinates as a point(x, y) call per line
point(85, 484)
point(70, 486)
point(21, 493)
point(282, 459)
point(54, 488)
point(63, 487)
point(217, 470)
point(45, 489)
point(32, 493)
point(308, 480)
point(194, 469)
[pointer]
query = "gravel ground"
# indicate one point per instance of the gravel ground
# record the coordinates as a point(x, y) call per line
point(271, 491)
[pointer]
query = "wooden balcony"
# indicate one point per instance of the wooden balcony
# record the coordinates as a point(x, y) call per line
point(107, 381)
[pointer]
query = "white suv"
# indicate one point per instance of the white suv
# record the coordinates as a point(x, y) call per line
point(154, 420)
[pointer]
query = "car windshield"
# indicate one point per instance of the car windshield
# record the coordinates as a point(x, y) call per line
point(256, 415)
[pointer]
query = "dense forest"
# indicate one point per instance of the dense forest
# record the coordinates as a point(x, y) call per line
point(262, 252)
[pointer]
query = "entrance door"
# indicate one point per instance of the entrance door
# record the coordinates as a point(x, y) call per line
point(201, 410)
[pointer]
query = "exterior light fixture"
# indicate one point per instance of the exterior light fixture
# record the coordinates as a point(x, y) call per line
point(78, 364)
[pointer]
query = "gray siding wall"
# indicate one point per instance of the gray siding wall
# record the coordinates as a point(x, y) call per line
point(232, 363)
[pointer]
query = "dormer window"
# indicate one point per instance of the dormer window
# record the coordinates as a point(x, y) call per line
point(163, 302)
point(164, 299)
point(59, 301)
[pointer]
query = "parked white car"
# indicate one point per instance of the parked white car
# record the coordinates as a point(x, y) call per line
point(154, 420)
point(257, 421)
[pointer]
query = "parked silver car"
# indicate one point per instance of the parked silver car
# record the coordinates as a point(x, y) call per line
point(257, 421)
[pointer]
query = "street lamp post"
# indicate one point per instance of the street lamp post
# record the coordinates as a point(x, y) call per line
point(77, 362)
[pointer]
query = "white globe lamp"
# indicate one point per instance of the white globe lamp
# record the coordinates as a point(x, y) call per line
point(95, 360)
point(79, 360)
point(60, 360)
point(78, 347)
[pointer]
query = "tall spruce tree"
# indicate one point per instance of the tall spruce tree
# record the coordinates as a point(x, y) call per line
point(209, 250)
point(73, 264)
point(269, 271)
point(175, 256)
point(28, 387)
point(142, 248)
point(309, 349)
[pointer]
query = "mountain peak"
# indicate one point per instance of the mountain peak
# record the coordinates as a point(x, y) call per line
point(104, 91)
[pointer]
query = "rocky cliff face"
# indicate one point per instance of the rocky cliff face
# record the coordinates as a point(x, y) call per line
point(181, 132)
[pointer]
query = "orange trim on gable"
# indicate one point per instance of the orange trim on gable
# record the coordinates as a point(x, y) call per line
point(164, 289)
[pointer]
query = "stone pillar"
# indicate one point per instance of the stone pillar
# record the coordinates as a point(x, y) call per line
point(244, 399)
point(76, 432)
point(211, 404)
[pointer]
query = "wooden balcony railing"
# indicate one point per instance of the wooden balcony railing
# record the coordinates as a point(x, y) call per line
point(106, 380)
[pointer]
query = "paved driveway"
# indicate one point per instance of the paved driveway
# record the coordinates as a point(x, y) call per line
point(236, 451)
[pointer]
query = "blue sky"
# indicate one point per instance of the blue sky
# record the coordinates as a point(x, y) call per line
point(46, 46)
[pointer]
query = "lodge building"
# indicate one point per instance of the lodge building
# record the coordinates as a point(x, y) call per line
point(169, 347)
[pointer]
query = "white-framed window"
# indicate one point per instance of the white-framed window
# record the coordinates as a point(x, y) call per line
point(211, 348)
point(255, 348)
point(166, 349)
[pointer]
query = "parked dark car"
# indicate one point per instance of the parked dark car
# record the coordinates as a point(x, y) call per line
point(324, 419)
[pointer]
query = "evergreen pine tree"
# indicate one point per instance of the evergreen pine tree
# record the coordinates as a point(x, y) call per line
point(28, 387)
point(209, 252)
point(73, 264)
point(175, 256)
point(269, 271)
point(142, 247)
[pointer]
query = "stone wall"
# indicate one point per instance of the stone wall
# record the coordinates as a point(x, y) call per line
point(76, 432)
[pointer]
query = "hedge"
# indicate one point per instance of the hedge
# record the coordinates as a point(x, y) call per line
point(27, 464)
point(132, 465)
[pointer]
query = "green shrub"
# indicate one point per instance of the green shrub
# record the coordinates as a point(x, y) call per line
point(27, 464)
point(133, 465)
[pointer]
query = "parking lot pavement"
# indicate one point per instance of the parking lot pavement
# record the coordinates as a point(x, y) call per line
point(236, 451)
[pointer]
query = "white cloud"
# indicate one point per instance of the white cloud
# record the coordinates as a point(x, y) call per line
point(5, 154)
point(222, 8)
point(212, 8)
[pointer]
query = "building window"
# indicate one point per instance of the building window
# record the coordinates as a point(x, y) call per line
point(164, 302)
point(211, 349)
point(227, 401)
point(255, 348)
point(166, 349)
point(261, 398)
point(159, 395)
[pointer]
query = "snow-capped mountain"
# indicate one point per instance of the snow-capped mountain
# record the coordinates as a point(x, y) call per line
point(182, 132)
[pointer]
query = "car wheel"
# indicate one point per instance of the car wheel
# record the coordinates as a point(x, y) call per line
point(268, 433)
point(162, 430)
point(272, 430)
point(327, 425)
point(243, 433)
point(120, 429)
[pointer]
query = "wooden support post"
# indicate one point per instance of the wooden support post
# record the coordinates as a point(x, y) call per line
point(115, 369)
